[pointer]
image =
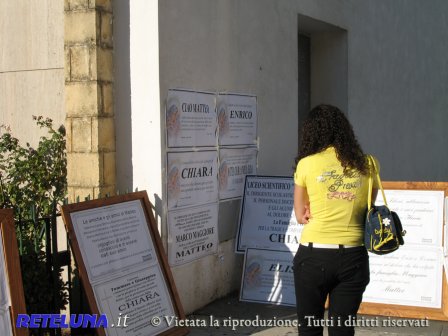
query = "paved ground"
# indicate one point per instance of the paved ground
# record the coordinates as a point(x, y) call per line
point(227, 316)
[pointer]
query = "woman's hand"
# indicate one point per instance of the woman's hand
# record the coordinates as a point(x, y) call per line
point(301, 205)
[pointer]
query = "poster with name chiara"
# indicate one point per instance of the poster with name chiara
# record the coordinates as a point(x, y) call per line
point(267, 219)
point(133, 300)
point(421, 214)
point(190, 119)
point(234, 165)
point(192, 233)
point(192, 178)
point(268, 277)
point(237, 119)
point(113, 237)
point(410, 276)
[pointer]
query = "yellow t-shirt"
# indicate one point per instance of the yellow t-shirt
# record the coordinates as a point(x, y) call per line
point(338, 202)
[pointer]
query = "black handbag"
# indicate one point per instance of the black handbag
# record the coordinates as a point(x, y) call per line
point(383, 230)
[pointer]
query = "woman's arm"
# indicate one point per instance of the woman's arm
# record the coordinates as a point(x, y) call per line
point(301, 204)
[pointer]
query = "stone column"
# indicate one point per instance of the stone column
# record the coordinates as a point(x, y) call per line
point(88, 46)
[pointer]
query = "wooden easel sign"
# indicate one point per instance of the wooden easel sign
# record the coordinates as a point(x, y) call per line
point(12, 300)
point(123, 266)
point(410, 282)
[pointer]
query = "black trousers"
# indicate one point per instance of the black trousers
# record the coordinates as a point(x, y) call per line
point(342, 274)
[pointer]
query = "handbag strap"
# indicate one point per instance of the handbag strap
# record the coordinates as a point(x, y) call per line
point(374, 171)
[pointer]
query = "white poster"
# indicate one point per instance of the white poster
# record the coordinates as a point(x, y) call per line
point(133, 300)
point(268, 277)
point(5, 322)
point(237, 119)
point(4, 288)
point(190, 119)
point(267, 216)
point(234, 165)
point(192, 233)
point(192, 178)
point(113, 237)
point(410, 276)
point(420, 212)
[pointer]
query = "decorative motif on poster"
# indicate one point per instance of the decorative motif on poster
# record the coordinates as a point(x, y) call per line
point(138, 296)
point(113, 237)
point(421, 213)
point(234, 165)
point(190, 119)
point(268, 277)
point(237, 119)
point(193, 233)
point(192, 178)
point(410, 276)
point(267, 218)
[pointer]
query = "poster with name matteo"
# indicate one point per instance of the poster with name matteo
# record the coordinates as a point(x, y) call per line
point(123, 266)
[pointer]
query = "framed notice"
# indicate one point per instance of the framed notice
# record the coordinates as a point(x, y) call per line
point(410, 282)
point(192, 233)
point(234, 165)
point(192, 178)
point(190, 119)
point(237, 119)
point(421, 213)
point(122, 265)
point(268, 277)
point(12, 301)
point(267, 219)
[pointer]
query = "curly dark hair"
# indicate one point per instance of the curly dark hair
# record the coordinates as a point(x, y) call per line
point(327, 126)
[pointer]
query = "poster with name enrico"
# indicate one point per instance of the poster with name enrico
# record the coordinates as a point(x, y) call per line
point(237, 119)
point(267, 218)
point(190, 119)
point(192, 233)
point(192, 178)
point(234, 165)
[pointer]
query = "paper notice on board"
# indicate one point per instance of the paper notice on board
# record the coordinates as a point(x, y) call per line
point(4, 288)
point(192, 233)
point(268, 277)
point(237, 119)
point(267, 215)
point(190, 119)
point(421, 214)
point(140, 296)
point(5, 322)
point(113, 237)
point(192, 178)
point(234, 165)
point(410, 276)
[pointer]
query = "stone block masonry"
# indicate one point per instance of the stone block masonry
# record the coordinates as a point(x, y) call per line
point(90, 122)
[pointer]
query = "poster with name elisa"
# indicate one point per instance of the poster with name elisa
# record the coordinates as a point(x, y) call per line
point(190, 119)
point(237, 119)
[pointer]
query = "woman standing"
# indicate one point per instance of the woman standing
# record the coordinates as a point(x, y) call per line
point(330, 198)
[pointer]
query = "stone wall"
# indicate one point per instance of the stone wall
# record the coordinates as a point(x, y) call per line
point(88, 49)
